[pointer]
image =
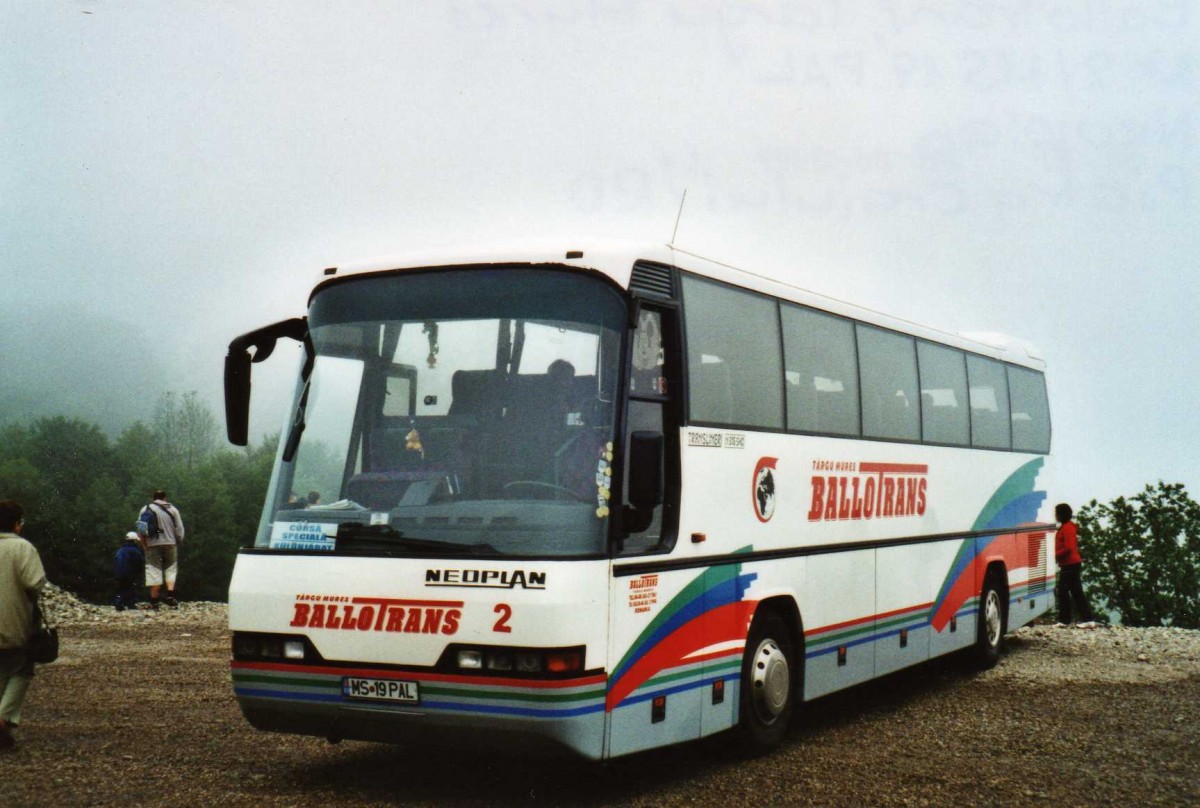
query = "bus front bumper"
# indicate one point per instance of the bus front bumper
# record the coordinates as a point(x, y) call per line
point(487, 713)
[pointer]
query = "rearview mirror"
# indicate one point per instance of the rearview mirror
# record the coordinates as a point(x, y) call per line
point(237, 371)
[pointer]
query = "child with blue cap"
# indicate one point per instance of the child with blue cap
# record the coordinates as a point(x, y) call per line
point(127, 568)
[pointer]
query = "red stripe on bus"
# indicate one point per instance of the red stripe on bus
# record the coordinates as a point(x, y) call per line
point(594, 679)
point(893, 468)
point(449, 604)
point(858, 621)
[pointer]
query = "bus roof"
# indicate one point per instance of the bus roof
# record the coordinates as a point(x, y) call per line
point(612, 258)
point(615, 259)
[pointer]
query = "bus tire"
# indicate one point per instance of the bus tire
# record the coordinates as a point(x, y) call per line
point(768, 679)
point(989, 640)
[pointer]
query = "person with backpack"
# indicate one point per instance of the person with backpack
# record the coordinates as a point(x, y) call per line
point(160, 527)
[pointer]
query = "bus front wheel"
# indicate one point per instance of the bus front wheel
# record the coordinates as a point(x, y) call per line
point(767, 683)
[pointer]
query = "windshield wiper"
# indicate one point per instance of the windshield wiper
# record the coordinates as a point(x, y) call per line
point(297, 428)
point(357, 533)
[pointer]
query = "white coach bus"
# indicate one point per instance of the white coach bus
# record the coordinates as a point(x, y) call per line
point(611, 499)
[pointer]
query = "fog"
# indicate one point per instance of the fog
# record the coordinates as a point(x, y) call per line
point(174, 174)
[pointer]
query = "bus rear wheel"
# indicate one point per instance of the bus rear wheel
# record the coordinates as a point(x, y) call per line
point(767, 689)
point(990, 638)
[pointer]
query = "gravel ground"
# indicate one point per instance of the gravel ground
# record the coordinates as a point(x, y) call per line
point(138, 710)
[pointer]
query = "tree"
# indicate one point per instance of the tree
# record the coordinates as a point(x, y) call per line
point(20, 479)
point(141, 464)
point(185, 429)
point(61, 469)
point(69, 453)
point(1142, 555)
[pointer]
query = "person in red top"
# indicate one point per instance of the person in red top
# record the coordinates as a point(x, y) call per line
point(1070, 564)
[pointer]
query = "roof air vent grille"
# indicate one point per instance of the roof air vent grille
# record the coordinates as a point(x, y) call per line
point(654, 279)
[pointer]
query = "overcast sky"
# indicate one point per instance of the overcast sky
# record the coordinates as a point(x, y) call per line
point(1026, 167)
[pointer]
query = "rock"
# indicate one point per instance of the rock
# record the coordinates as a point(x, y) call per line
point(63, 608)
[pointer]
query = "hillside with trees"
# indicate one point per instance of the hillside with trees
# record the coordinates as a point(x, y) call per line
point(82, 492)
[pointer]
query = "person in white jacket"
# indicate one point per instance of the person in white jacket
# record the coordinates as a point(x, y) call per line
point(21, 578)
point(161, 537)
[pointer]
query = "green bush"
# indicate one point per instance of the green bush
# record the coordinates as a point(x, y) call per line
point(1142, 556)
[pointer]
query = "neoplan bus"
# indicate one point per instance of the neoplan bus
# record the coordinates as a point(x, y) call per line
point(610, 499)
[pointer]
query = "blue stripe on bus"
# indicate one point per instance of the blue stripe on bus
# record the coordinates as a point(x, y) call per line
point(432, 705)
point(526, 712)
point(1021, 510)
point(723, 594)
point(288, 694)
point(835, 645)
point(896, 631)
point(833, 648)
point(667, 691)
point(967, 552)
point(685, 615)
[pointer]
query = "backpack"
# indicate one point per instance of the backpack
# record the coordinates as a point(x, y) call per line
point(147, 524)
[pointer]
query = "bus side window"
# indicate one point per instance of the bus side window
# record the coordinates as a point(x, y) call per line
point(400, 391)
point(1030, 410)
point(734, 355)
point(647, 377)
point(988, 392)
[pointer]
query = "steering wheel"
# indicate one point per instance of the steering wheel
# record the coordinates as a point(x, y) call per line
point(536, 487)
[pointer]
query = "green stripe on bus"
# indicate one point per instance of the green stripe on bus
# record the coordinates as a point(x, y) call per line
point(521, 696)
point(1019, 483)
point(725, 667)
point(432, 689)
point(292, 681)
point(709, 578)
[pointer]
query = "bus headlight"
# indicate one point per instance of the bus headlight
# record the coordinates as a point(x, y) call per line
point(246, 646)
point(470, 660)
point(529, 663)
point(520, 662)
point(253, 646)
point(499, 662)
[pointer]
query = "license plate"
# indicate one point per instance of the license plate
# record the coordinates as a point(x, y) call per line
point(354, 687)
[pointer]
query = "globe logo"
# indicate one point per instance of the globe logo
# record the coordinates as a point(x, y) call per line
point(764, 489)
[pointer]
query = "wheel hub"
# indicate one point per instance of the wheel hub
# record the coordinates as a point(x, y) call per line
point(770, 680)
point(991, 615)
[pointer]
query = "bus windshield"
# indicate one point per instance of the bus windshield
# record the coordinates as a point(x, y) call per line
point(453, 412)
